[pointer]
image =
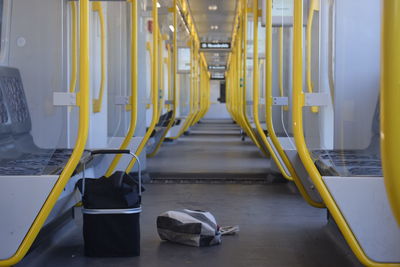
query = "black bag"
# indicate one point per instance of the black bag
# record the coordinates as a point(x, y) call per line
point(111, 216)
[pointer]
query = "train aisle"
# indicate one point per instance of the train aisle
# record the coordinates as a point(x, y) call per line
point(212, 151)
point(277, 227)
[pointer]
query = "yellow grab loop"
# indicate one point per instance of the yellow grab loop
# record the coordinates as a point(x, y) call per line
point(134, 88)
point(97, 103)
point(154, 89)
point(298, 104)
point(292, 175)
point(83, 130)
point(314, 7)
point(390, 108)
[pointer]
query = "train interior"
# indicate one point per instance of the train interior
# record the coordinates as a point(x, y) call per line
point(278, 116)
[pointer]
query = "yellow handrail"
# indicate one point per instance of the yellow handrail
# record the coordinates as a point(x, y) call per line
point(174, 84)
point(195, 88)
point(97, 103)
point(134, 87)
point(314, 6)
point(154, 88)
point(84, 85)
point(202, 89)
point(298, 104)
point(245, 123)
point(149, 49)
point(390, 108)
point(280, 67)
point(160, 66)
point(169, 76)
point(74, 48)
point(292, 175)
point(256, 93)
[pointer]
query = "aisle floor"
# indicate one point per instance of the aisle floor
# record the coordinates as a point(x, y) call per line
point(212, 149)
point(277, 229)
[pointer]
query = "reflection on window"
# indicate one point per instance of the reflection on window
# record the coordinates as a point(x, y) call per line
point(1, 21)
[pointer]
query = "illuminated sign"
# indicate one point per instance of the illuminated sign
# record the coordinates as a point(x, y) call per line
point(216, 67)
point(217, 76)
point(212, 45)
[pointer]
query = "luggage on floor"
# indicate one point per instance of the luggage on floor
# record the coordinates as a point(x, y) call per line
point(189, 227)
point(111, 214)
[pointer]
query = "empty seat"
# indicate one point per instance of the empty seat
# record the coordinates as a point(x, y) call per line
point(365, 162)
point(19, 154)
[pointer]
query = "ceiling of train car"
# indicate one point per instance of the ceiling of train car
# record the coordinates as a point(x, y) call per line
point(214, 21)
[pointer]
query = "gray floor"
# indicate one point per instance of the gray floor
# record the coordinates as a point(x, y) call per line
point(212, 150)
point(277, 228)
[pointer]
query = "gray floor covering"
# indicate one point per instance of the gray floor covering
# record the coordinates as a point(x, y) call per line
point(277, 227)
point(213, 149)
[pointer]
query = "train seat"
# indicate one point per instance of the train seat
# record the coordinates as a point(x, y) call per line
point(366, 162)
point(19, 154)
point(159, 131)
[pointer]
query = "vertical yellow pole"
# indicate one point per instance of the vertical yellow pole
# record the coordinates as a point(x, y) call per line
point(256, 87)
point(390, 108)
point(243, 74)
point(97, 103)
point(134, 88)
point(154, 78)
point(291, 175)
point(174, 82)
point(314, 6)
point(160, 66)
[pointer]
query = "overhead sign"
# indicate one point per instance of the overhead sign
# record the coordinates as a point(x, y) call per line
point(213, 45)
point(217, 67)
point(217, 76)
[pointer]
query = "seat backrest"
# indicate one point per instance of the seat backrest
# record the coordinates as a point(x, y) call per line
point(5, 124)
point(14, 111)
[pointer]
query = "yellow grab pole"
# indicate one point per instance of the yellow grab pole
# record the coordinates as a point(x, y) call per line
point(246, 122)
point(134, 87)
point(298, 104)
point(202, 90)
point(154, 119)
point(256, 88)
point(160, 67)
point(169, 76)
point(97, 103)
point(314, 6)
point(173, 83)
point(390, 108)
point(292, 175)
point(150, 50)
point(83, 102)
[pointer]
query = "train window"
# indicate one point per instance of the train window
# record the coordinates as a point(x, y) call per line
point(1, 22)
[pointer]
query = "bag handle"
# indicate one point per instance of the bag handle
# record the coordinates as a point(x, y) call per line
point(114, 152)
